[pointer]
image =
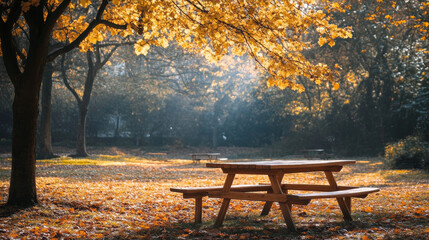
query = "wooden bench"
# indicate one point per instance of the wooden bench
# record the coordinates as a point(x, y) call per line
point(243, 192)
point(199, 192)
point(197, 157)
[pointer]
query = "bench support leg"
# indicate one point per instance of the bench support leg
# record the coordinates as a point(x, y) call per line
point(349, 203)
point(226, 201)
point(284, 207)
point(198, 209)
point(268, 205)
point(344, 209)
point(266, 209)
point(341, 201)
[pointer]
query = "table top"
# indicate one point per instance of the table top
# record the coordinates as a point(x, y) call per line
point(204, 154)
point(280, 164)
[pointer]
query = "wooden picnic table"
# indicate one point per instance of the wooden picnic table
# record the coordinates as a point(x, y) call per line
point(196, 157)
point(278, 192)
point(314, 153)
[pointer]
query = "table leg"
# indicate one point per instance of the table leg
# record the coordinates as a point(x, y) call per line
point(225, 202)
point(344, 204)
point(268, 205)
point(349, 203)
point(284, 207)
point(198, 209)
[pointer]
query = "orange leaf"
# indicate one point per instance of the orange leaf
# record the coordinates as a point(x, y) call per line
point(368, 209)
point(420, 211)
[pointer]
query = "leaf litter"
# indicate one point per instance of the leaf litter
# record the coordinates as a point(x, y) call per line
point(128, 197)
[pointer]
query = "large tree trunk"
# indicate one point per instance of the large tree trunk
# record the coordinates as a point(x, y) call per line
point(45, 141)
point(81, 127)
point(22, 190)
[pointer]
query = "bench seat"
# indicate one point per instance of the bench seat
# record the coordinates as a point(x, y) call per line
point(190, 192)
point(361, 192)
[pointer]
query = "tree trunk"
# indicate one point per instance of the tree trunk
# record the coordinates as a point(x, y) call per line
point(118, 118)
point(22, 190)
point(81, 130)
point(214, 135)
point(45, 142)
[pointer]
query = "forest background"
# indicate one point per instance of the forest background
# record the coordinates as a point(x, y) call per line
point(170, 97)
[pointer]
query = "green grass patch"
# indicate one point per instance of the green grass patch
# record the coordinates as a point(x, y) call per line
point(405, 175)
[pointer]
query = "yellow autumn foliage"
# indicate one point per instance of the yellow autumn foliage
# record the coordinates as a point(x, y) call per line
point(271, 33)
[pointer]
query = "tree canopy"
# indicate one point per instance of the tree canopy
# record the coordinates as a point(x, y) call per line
point(273, 33)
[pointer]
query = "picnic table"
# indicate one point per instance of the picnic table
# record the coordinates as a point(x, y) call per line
point(275, 191)
point(314, 153)
point(197, 157)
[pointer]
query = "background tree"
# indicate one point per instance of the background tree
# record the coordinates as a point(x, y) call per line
point(95, 60)
point(44, 150)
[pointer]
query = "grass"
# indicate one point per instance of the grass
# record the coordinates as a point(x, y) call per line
point(126, 197)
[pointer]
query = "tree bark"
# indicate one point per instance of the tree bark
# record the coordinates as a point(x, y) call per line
point(45, 141)
point(22, 190)
point(81, 133)
point(214, 135)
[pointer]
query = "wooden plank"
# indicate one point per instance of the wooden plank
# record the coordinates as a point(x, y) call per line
point(363, 191)
point(195, 195)
point(314, 187)
point(239, 188)
point(311, 187)
point(204, 154)
point(281, 164)
point(255, 171)
point(250, 196)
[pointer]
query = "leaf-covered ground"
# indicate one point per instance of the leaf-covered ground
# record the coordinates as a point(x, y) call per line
point(124, 197)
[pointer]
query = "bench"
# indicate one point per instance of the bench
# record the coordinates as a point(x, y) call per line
point(243, 192)
point(197, 157)
point(199, 192)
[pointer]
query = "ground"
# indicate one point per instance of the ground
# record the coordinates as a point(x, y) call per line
point(124, 196)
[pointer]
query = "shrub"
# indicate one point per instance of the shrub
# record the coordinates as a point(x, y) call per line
point(408, 153)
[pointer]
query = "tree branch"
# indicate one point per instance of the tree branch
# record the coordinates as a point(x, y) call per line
point(66, 81)
point(86, 32)
point(107, 57)
point(7, 46)
point(52, 17)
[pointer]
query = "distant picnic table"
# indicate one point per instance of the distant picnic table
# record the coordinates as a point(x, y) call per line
point(315, 153)
point(197, 157)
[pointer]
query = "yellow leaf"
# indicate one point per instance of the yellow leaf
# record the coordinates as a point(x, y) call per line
point(322, 41)
point(85, 3)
